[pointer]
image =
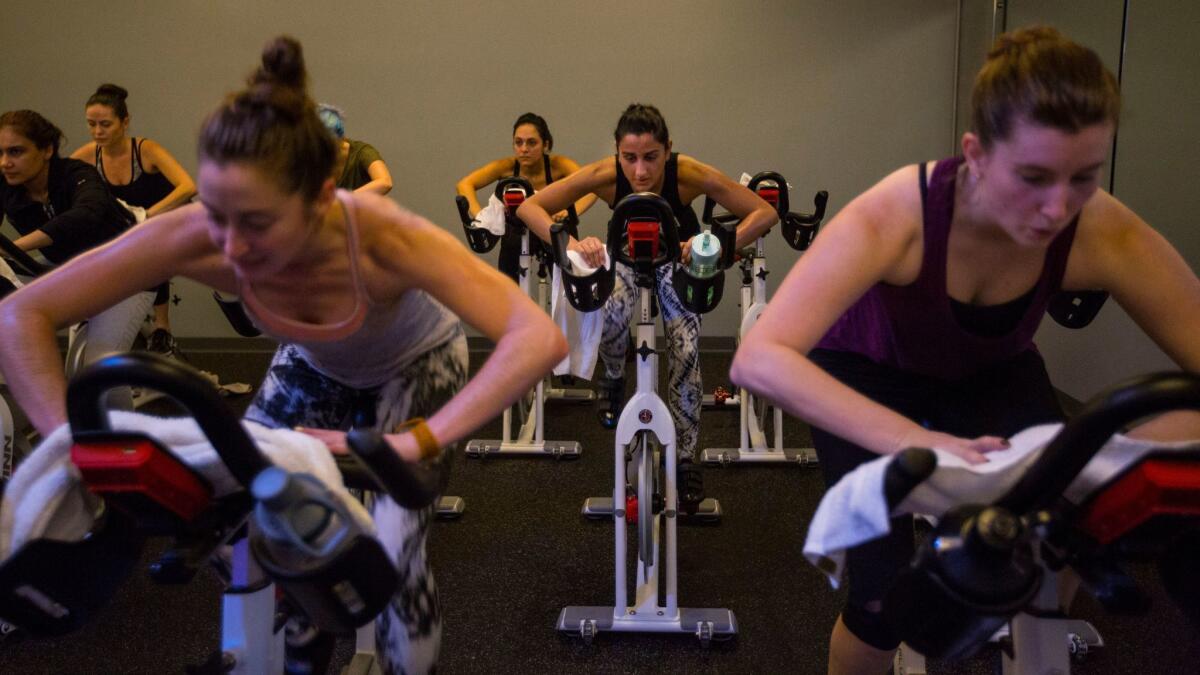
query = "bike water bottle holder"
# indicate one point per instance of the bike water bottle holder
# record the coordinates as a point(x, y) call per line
point(479, 239)
point(799, 229)
point(52, 588)
point(588, 293)
point(799, 234)
point(1076, 309)
point(339, 594)
point(699, 295)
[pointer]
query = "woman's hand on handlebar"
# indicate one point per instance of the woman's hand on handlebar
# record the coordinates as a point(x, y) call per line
point(404, 444)
point(591, 248)
point(333, 439)
point(970, 449)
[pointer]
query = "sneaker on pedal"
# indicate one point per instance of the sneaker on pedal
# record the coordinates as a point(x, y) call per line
point(610, 399)
point(690, 486)
point(161, 342)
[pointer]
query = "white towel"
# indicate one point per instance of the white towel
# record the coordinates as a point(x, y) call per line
point(139, 212)
point(45, 499)
point(854, 511)
point(491, 217)
point(582, 329)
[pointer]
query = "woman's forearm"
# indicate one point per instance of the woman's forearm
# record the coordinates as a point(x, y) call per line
point(31, 364)
point(803, 389)
point(519, 360)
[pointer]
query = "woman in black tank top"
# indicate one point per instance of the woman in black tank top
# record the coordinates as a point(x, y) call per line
point(532, 160)
point(137, 170)
point(140, 173)
point(645, 163)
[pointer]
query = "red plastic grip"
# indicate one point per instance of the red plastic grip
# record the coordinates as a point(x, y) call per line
point(126, 468)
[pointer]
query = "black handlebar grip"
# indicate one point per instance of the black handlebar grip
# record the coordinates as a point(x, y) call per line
point(32, 267)
point(464, 209)
point(784, 204)
point(235, 314)
point(410, 485)
point(709, 206)
point(559, 238)
point(905, 472)
point(726, 233)
point(819, 201)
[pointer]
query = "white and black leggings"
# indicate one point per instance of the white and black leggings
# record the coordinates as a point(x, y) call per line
point(682, 328)
point(408, 633)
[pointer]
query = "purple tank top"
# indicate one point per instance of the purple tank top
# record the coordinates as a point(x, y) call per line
point(912, 328)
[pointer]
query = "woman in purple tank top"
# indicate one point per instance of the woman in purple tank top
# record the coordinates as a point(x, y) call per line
point(910, 322)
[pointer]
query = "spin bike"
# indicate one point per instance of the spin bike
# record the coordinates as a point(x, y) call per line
point(530, 439)
point(51, 587)
point(643, 235)
point(799, 231)
point(987, 565)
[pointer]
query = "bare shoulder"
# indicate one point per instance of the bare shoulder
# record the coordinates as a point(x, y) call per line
point(696, 174)
point(387, 230)
point(892, 205)
point(393, 241)
point(1108, 233)
point(85, 152)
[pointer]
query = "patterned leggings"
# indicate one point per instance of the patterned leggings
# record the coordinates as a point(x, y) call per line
point(684, 389)
point(408, 633)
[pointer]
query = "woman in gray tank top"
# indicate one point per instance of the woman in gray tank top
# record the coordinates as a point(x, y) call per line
point(331, 274)
point(909, 322)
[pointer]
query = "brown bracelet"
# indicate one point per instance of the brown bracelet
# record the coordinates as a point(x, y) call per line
point(426, 443)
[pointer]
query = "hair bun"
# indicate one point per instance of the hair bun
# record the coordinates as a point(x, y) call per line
point(282, 64)
point(1015, 42)
point(115, 91)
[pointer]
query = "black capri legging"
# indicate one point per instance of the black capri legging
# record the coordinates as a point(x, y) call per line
point(1000, 401)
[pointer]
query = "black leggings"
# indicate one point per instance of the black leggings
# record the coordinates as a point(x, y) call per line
point(1000, 401)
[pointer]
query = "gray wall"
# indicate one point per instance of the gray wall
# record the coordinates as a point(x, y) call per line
point(834, 95)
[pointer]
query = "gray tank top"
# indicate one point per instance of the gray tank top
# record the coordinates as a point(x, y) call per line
point(391, 335)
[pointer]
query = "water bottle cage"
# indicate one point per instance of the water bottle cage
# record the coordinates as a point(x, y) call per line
point(1076, 309)
point(338, 593)
point(52, 588)
point(699, 295)
point(479, 239)
point(797, 232)
point(588, 293)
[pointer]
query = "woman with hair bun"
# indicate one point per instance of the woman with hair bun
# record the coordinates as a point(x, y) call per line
point(361, 294)
point(61, 208)
point(531, 158)
point(139, 172)
point(910, 321)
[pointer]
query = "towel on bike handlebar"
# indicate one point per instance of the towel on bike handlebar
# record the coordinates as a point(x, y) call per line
point(854, 511)
point(491, 217)
point(582, 329)
point(45, 499)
